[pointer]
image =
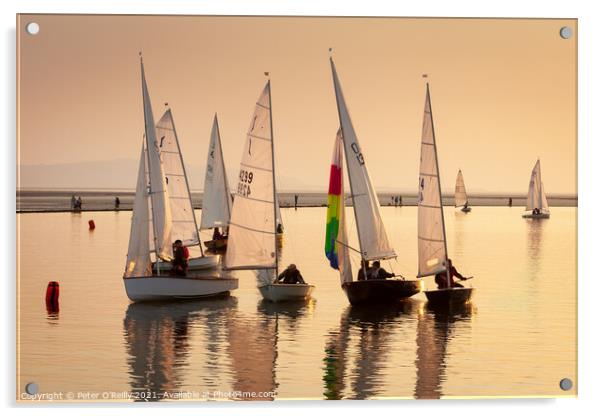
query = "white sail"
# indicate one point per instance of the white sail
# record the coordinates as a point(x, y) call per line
point(373, 240)
point(161, 210)
point(460, 196)
point(217, 200)
point(536, 198)
point(432, 249)
point(251, 240)
point(182, 213)
point(138, 259)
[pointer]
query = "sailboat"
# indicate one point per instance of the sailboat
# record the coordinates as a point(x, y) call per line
point(152, 227)
point(252, 243)
point(460, 197)
point(373, 241)
point(183, 221)
point(432, 241)
point(537, 203)
point(217, 200)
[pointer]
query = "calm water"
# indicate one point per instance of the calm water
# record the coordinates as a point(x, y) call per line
point(517, 338)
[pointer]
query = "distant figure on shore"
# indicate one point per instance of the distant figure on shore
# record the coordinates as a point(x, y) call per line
point(510, 202)
point(363, 272)
point(441, 278)
point(117, 202)
point(291, 275)
point(377, 272)
point(77, 205)
point(180, 259)
point(296, 200)
point(73, 201)
point(400, 201)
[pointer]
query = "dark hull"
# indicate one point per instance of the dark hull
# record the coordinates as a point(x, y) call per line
point(445, 297)
point(380, 291)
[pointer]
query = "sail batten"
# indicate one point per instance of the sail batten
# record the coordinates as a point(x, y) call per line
point(460, 197)
point(432, 247)
point(183, 221)
point(374, 243)
point(217, 200)
point(252, 240)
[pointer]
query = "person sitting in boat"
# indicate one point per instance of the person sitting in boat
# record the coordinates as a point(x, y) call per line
point(441, 277)
point(180, 259)
point(377, 272)
point(465, 205)
point(536, 211)
point(290, 275)
point(279, 229)
point(216, 234)
point(364, 271)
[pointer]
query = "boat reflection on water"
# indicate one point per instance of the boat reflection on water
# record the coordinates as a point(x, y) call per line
point(436, 328)
point(157, 337)
point(360, 349)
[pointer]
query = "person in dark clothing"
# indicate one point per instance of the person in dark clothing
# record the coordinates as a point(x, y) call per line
point(536, 211)
point(296, 199)
point(216, 234)
point(510, 202)
point(290, 275)
point(377, 272)
point(364, 271)
point(279, 229)
point(180, 259)
point(117, 202)
point(441, 278)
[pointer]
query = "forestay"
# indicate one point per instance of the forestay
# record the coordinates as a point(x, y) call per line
point(183, 221)
point(138, 259)
point(460, 195)
point(251, 241)
point(217, 200)
point(161, 210)
point(373, 240)
point(432, 249)
point(536, 197)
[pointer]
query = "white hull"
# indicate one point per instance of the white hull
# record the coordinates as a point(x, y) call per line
point(282, 292)
point(153, 288)
point(543, 214)
point(197, 263)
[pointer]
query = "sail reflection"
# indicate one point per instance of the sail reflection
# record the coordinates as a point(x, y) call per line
point(359, 350)
point(436, 328)
point(157, 338)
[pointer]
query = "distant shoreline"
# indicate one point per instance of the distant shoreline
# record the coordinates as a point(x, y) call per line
point(45, 201)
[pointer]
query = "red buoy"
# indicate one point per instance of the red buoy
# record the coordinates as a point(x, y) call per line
point(91, 224)
point(52, 296)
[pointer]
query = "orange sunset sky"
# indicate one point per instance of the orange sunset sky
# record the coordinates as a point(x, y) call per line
point(503, 94)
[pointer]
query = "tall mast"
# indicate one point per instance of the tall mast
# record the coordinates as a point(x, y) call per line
point(357, 226)
point(196, 226)
point(226, 187)
point(273, 172)
point(428, 94)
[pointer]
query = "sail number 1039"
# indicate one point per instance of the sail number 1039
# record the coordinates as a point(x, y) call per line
point(244, 182)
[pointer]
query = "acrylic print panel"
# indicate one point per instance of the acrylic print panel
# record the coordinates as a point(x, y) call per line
point(94, 190)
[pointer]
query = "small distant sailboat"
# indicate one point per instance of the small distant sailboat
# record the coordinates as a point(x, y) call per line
point(432, 241)
point(253, 238)
point(460, 197)
point(373, 241)
point(152, 227)
point(217, 200)
point(537, 203)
